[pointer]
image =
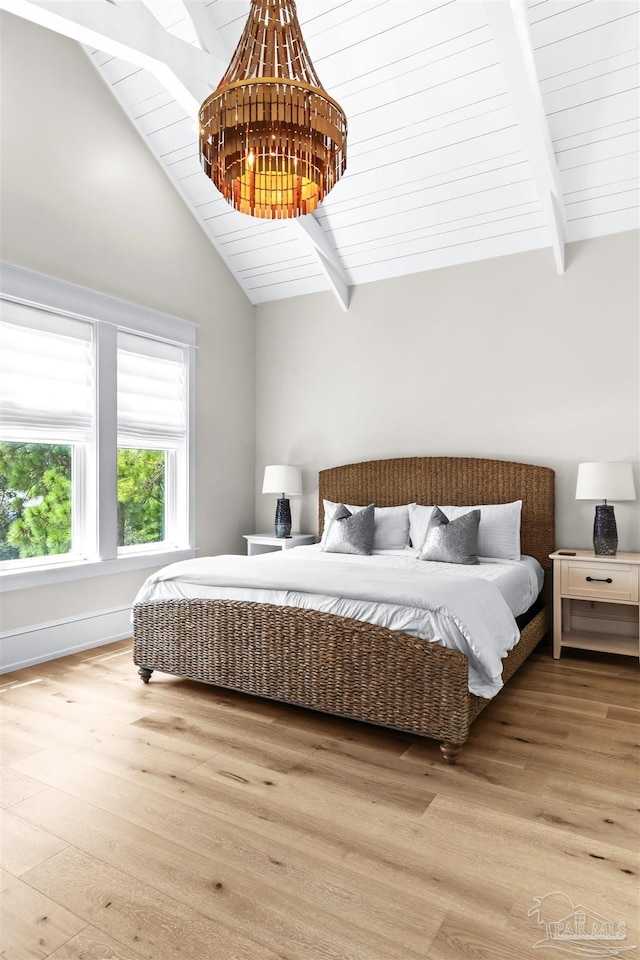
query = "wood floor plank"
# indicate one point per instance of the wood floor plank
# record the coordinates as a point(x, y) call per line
point(518, 730)
point(584, 765)
point(484, 768)
point(573, 741)
point(60, 735)
point(271, 839)
point(7, 712)
point(330, 838)
point(14, 747)
point(72, 700)
point(126, 910)
point(617, 691)
point(627, 714)
point(459, 937)
point(152, 750)
point(24, 845)
point(399, 789)
point(32, 925)
point(214, 885)
point(562, 809)
point(540, 699)
point(404, 790)
point(610, 803)
point(612, 739)
point(605, 875)
point(93, 944)
point(47, 720)
point(252, 742)
point(15, 786)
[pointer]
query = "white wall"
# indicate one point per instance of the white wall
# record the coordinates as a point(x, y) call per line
point(83, 200)
point(502, 358)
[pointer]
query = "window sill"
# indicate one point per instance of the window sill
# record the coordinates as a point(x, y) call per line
point(85, 569)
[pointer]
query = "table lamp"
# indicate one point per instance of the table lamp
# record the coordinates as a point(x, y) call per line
point(282, 480)
point(605, 481)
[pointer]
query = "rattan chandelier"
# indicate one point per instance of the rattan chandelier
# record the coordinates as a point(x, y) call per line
point(271, 139)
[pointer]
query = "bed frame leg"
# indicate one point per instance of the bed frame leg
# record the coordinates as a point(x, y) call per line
point(450, 751)
point(145, 674)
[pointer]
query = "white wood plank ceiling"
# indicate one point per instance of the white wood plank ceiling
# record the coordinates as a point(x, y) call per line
point(476, 129)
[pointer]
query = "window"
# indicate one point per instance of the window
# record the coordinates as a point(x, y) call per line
point(141, 496)
point(36, 496)
point(96, 465)
point(47, 423)
point(151, 441)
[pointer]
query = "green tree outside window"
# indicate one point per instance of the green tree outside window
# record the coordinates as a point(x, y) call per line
point(141, 486)
point(36, 498)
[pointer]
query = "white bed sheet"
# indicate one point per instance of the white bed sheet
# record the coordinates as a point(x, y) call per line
point(424, 598)
point(519, 581)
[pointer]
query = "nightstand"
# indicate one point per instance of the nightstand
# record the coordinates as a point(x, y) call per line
point(581, 575)
point(267, 542)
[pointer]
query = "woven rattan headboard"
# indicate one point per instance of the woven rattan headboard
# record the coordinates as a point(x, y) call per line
point(458, 481)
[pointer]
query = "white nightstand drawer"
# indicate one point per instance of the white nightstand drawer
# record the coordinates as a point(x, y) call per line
point(600, 581)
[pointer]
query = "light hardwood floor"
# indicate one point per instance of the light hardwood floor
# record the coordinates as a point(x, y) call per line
point(177, 820)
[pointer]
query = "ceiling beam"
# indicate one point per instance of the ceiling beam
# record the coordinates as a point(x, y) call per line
point(188, 73)
point(325, 254)
point(510, 28)
point(207, 32)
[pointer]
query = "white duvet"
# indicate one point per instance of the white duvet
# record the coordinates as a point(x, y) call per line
point(467, 608)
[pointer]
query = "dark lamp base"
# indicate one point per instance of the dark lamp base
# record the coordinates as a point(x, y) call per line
point(605, 532)
point(283, 518)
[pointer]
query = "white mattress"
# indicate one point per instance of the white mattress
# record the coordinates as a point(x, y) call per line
point(393, 589)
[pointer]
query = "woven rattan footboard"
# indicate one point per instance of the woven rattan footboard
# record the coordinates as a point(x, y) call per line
point(319, 660)
point(342, 666)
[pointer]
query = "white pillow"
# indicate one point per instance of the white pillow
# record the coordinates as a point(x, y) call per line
point(390, 525)
point(419, 517)
point(498, 534)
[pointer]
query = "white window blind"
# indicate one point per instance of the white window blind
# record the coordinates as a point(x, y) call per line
point(151, 393)
point(47, 389)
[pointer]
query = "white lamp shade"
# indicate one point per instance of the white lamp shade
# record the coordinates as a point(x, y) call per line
point(282, 479)
point(605, 481)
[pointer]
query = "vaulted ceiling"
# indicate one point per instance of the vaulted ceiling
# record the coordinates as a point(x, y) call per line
point(476, 129)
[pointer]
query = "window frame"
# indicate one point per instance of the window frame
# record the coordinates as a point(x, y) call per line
point(107, 314)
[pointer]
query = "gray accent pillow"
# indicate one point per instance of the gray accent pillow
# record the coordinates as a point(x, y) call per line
point(390, 524)
point(452, 541)
point(350, 532)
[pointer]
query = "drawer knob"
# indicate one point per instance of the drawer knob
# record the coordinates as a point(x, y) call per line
point(599, 580)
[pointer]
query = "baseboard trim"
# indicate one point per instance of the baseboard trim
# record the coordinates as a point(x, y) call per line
point(40, 642)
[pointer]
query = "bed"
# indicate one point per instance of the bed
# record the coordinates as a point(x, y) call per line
point(341, 665)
